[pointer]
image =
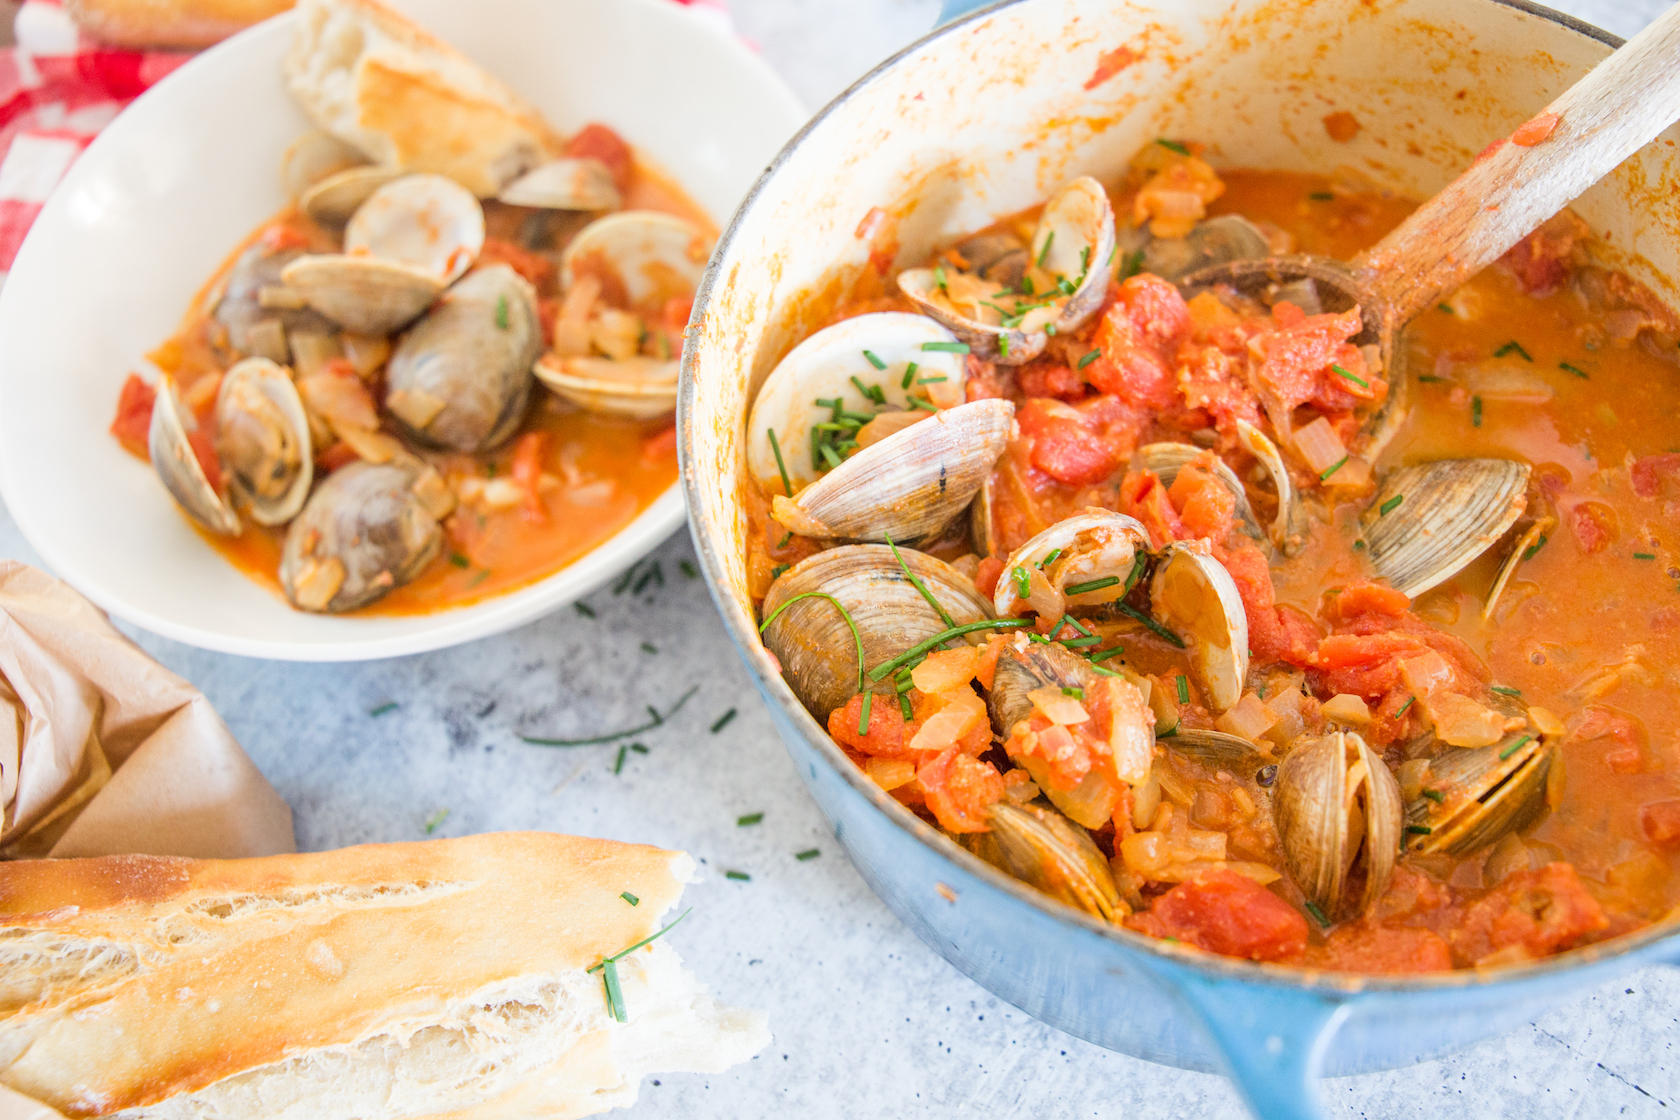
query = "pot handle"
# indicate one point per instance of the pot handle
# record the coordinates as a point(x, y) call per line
point(1271, 1039)
point(955, 8)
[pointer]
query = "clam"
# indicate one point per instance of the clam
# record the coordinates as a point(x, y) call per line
point(1166, 459)
point(461, 376)
point(997, 258)
point(638, 260)
point(1338, 814)
point(363, 532)
point(1484, 793)
point(1527, 541)
point(256, 326)
point(1193, 595)
point(1132, 737)
point(812, 640)
point(169, 442)
point(1046, 850)
point(403, 246)
point(1428, 521)
point(1289, 528)
point(262, 440)
point(1218, 750)
point(565, 184)
point(1069, 267)
point(313, 157)
point(333, 198)
point(1096, 546)
point(1216, 241)
point(908, 485)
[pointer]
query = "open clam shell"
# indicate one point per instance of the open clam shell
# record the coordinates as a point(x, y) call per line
point(1166, 459)
point(653, 255)
point(1428, 521)
point(363, 532)
point(262, 440)
point(639, 388)
point(428, 221)
point(1338, 814)
point(1484, 793)
point(256, 328)
point(333, 198)
point(911, 483)
point(1095, 546)
point(812, 640)
point(1216, 241)
point(834, 365)
point(1218, 751)
point(565, 184)
point(1193, 595)
point(1041, 847)
point(1289, 528)
point(364, 295)
point(1073, 248)
point(313, 157)
point(168, 441)
point(461, 376)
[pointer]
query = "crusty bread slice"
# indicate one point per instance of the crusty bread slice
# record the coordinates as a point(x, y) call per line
point(437, 979)
point(406, 98)
point(186, 24)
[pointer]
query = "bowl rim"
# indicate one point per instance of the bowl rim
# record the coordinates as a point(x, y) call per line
point(443, 628)
point(743, 631)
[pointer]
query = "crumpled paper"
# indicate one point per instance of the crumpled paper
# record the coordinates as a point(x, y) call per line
point(104, 751)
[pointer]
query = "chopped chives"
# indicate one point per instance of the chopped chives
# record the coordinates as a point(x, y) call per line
point(1082, 643)
point(750, 818)
point(1429, 378)
point(1003, 345)
point(656, 721)
point(829, 454)
point(1049, 558)
point(615, 994)
point(939, 278)
point(435, 820)
point(630, 898)
point(922, 588)
point(1514, 747)
point(1069, 620)
point(776, 572)
point(723, 721)
point(874, 360)
point(923, 404)
point(388, 706)
point(780, 466)
point(1528, 553)
point(1644, 556)
point(909, 374)
point(638, 748)
point(1506, 690)
point(870, 392)
point(1045, 252)
point(1318, 915)
point(649, 647)
point(783, 543)
point(1389, 506)
point(738, 876)
point(1512, 347)
point(689, 570)
point(931, 380)
point(1447, 307)
point(1332, 468)
point(857, 638)
point(1023, 582)
point(946, 347)
point(502, 312)
point(1073, 691)
point(618, 766)
point(584, 609)
point(1419, 829)
point(1104, 672)
point(940, 639)
point(1321, 196)
point(1576, 370)
point(459, 561)
point(863, 715)
point(1410, 700)
point(1475, 412)
point(1172, 146)
point(1089, 358)
point(1132, 577)
point(1183, 688)
point(1132, 612)
point(1089, 585)
point(1104, 655)
point(1131, 264)
point(1340, 372)
point(904, 708)
point(808, 853)
point(1359, 546)
point(1435, 795)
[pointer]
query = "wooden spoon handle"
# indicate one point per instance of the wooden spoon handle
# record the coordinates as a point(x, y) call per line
point(1511, 189)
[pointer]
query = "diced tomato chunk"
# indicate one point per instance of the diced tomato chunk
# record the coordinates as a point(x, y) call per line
point(1065, 447)
point(885, 734)
point(986, 578)
point(134, 415)
point(1372, 948)
point(597, 141)
point(1274, 633)
point(1047, 378)
point(959, 789)
point(204, 450)
point(1136, 338)
point(1300, 352)
point(1646, 473)
point(537, 270)
point(1224, 912)
point(1661, 822)
point(1205, 506)
point(1543, 911)
point(1365, 597)
point(1593, 526)
point(1143, 497)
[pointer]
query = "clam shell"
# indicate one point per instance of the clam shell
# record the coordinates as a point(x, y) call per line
point(812, 641)
point(822, 368)
point(654, 255)
point(1218, 751)
point(427, 221)
point(1037, 665)
point(1165, 459)
point(1447, 514)
point(333, 199)
point(173, 458)
point(1216, 241)
point(914, 481)
point(1289, 528)
point(262, 439)
point(1093, 545)
point(1513, 560)
point(1313, 804)
point(313, 157)
point(1484, 796)
point(565, 184)
point(459, 378)
point(364, 295)
point(1041, 847)
point(1075, 240)
point(1193, 595)
point(367, 529)
point(256, 330)
point(639, 388)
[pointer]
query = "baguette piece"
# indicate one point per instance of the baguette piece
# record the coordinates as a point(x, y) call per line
point(446, 978)
point(406, 98)
point(169, 24)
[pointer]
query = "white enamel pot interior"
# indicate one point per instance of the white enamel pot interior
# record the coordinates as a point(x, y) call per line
point(983, 118)
point(180, 178)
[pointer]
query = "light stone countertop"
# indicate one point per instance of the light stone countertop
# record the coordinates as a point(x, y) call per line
point(867, 1021)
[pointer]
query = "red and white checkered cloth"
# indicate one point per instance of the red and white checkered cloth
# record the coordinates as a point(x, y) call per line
point(58, 88)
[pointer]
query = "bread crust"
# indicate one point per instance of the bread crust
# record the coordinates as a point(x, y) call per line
point(128, 980)
point(404, 97)
point(169, 24)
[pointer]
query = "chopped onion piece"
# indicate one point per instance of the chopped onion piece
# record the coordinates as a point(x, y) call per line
point(1347, 708)
point(1249, 718)
point(1320, 446)
point(890, 773)
point(1058, 707)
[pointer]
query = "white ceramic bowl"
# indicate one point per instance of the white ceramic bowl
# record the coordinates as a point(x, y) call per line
point(167, 192)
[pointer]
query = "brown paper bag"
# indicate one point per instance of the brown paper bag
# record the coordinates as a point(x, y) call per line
point(104, 751)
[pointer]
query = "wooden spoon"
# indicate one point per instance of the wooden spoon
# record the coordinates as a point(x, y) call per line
point(1511, 188)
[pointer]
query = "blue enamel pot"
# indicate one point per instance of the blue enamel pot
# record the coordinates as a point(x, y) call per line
point(983, 118)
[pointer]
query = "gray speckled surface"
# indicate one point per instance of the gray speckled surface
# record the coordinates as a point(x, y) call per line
point(867, 1021)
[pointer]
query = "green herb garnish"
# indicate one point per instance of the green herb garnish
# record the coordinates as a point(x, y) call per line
point(1321, 196)
point(688, 569)
point(656, 721)
point(434, 821)
point(738, 876)
point(1317, 914)
point(863, 713)
point(946, 347)
point(1419, 829)
point(750, 818)
point(1332, 468)
point(1104, 655)
point(459, 561)
point(502, 312)
point(923, 404)
point(808, 853)
point(1131, 264)
point(1514, 747)
point(1644, 556)
point(1073, 691)
point(1475, 412)
point(1089, 358)
point(1132, 612)
point(1023, 582)
point(1512, 347)
point(1045, 251)
point(723, 721)
point(388, 706)
point(1528, 553)
point(844, 613)
point(922, 588)
point(1391, 505)
point(1340, 372)
point(922, 647)
point(1576, 370)
point(1091, 585)
point(780, 466)
point(618, 764)
point(1505, 690)
point(1410, 700)
point(1447, 307)
point(584, 609)
point(1435, 795)
point(874, 360)
point(1183, 688)
point(1172, 146)
point(608, 968)
point(630, 898)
